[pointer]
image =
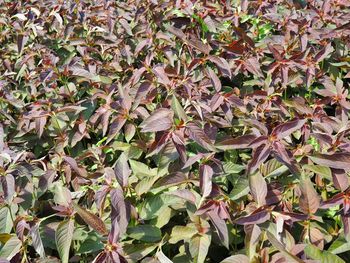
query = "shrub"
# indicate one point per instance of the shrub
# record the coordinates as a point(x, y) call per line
point(174, 131)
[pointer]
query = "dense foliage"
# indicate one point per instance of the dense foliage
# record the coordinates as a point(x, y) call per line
point(174, 131)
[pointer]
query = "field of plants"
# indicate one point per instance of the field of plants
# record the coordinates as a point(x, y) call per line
point(185, 131)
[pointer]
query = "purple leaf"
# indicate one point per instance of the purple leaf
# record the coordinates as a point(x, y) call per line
point(285, 129)
point(336, 160)
point(122, 170)
point(260, 154)
point(214, 80)
point(309, 201)
point(205, 176)
point(160, 120)
point(230, 143)
point(220, 227)
point(255, 218)
point(120, 209)
point(197, 134)
point(258, 188)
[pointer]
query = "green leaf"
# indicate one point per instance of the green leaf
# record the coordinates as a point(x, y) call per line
point(321, 256)
point(232, 168)
point(11, 248)
point(151, 208)
point(182, 233)
point(146, 233)
point(339, 246)
point(240, 187)
point(91, 243)
point(5, 220)
point(135, 252)
point(178, 109)
point(324, 171)
point(199, 246)
point(141, 170)
point(163, 217)
point(145, 185)
point(63, 237)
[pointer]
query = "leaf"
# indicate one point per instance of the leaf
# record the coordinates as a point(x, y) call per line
point(141, 170)
point(180, 233)
point(258, 188)
point(281, 247)
point(285, 129)
point(259, 156)
point(236, 259)
point(335, 160)
point(240, 188)
point(74, 165)
point(206, 174)
point(321, 256)
point(36, 240)
point(309, 201)
point(340, 179)
point(184, 194)
point(214, 80)
point(257, 217)
point(230, 143)
point(115, 127)
point(178, 109)
point(146, 233)
point(92, 220)
point(163, 258)
point(11, 248)
point(152, 206)
point(275, 52)
point(220, 227)
point(120, 212)
point(197, 134)
point(21, 42)
point(323, 171)
point(63, 237)
point(204, 48)
point(172, 179)
point(199, 247)
point(8, 186)
point(6, 222)
point(122, 170)
point(160, 120)
point(145, 185)
point(251, 240)
point(135, 252)
point(222, 64)
point(340, 245)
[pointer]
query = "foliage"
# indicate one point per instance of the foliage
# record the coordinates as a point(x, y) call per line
point(174, 131)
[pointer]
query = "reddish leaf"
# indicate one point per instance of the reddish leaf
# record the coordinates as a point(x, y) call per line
point(91, 219)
